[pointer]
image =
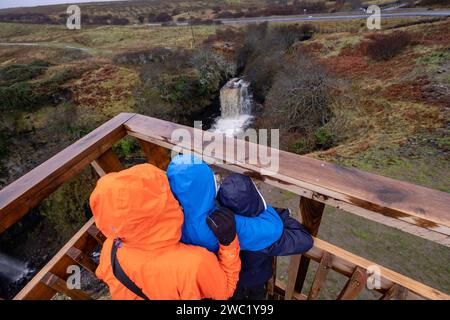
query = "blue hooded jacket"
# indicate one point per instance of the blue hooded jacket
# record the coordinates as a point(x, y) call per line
point(193, 183)
point(238, 193)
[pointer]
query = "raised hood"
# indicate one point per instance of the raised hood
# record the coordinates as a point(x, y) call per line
point(137, 206)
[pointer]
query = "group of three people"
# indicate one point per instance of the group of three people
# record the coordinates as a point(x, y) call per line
point(178, 235)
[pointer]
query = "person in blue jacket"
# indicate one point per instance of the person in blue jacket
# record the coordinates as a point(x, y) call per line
point(262, 231)
point(238, 193)
point(194, 186)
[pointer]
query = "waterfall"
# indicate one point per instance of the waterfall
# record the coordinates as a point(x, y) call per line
point(12, 270)
point(235, 106)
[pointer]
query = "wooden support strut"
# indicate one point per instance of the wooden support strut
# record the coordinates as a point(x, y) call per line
point(156, 155)
point(311, 212)
point(294, 264)
point(354, 285)
point(320, 277)
point(59, 285)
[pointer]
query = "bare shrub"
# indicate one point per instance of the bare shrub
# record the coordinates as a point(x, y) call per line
point(300, 99)
point(386, 46)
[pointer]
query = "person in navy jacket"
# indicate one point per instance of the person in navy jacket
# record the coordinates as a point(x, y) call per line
point(238, 193)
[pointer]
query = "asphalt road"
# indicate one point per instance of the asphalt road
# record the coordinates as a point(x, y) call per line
point(425, 13)
point(330, 17)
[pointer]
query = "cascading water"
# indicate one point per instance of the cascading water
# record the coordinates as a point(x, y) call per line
point(12, 270)
point(236, 106)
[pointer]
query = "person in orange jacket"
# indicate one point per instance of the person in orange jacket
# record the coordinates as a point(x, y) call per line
point(142, 257)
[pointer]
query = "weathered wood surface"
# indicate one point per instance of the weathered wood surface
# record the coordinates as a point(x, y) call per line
point(293, 272)
point(320, 276)
point(325, 182)
point(29, 190)
point(311, 212)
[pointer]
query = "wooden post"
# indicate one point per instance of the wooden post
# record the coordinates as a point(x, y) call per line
point(106, 163)
point(156, 155)
point(311, 212)
point(294, 263)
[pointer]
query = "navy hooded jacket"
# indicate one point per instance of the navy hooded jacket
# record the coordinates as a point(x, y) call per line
point(239, 194)
point(193, 184)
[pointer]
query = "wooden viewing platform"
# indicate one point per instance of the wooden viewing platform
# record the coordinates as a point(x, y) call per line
point(418, 210)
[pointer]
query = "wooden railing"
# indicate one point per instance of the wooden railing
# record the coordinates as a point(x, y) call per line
point(418, 210)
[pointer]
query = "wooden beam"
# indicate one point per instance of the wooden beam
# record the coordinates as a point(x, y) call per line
point(354, 285)
point(311, 178)
point(294, 264)
point(311, 212)
point(107, 162)
point(28, 191)
point(156, 155)
point(59, 285)
point(320, 277)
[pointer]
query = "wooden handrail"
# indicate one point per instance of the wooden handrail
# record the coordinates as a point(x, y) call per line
point(353, 190)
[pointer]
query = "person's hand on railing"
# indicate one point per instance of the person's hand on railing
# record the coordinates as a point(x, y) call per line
point(223, 224)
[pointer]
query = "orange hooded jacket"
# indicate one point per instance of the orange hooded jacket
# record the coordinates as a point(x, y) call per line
point(137, 206)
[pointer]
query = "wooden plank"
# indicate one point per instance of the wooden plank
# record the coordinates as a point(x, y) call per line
point(82, 241)
point(82, 259)
point(29, 190)
point(294, 264)
point(59, 285)
point(426, 208)
point(354, 285)
point(156, 155)
point(320, 276)
point(35, 289)
point(345, 263)
point(311, 212)
point(396, 292)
